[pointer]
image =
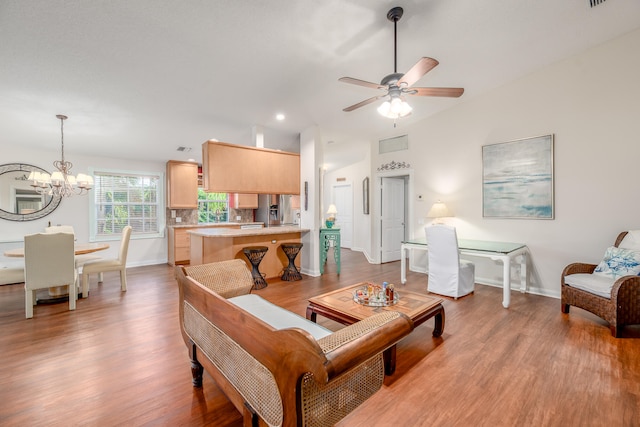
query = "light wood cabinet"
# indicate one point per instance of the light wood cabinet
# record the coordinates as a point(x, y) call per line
point(179, 241)
point(182, 185)
point(179, 246)
point(229, 168)
point(245, 201)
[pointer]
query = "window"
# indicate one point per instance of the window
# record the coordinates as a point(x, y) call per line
point(127, 198)
point(212, 207)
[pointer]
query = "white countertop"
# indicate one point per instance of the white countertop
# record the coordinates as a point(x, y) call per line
point(214, 224)
point(234, 232)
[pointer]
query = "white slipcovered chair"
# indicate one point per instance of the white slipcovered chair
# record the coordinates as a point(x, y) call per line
point(59, 229)
point(80, 260)
point(102, 265)
point(49, 262)
point(448, 274)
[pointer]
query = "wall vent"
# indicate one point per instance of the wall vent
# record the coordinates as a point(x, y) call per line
point(397, 143)
point(184, 149)
point(594, 3)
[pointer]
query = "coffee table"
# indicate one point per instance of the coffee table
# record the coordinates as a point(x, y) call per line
point(340, 306)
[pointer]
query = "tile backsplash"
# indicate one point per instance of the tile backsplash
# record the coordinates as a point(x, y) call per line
point(190, 216)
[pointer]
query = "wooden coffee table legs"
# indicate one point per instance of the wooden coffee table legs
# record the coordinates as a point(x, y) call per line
point(389, 354)
point(438, 328)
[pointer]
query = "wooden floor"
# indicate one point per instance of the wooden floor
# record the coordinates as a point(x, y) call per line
point(119, 360)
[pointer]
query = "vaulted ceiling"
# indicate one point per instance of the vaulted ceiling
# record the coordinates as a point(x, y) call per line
point(140, 78)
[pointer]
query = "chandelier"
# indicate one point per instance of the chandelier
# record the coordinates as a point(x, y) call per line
point(61, 182)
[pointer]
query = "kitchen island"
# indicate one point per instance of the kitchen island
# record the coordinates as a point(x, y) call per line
point(221, 244)
point(179, 246)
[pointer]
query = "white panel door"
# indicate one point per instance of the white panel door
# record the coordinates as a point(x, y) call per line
point(343, 199)
point(393, 218)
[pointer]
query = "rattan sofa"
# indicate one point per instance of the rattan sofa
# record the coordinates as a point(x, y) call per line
point(621, 308)
point(278, 375)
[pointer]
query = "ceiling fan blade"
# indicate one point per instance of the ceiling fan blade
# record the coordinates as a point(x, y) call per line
point(422, 67)
point(452, 92)
point(363, 103)
point(361, 83)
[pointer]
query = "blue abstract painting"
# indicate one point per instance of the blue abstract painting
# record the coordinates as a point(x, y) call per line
point(517, 179)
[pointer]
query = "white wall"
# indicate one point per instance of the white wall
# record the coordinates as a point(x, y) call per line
point(353, 174)
point(310, 158)
point(75, 210)
point(591, 103)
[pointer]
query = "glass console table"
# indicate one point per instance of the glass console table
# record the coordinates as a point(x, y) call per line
point(500, 251)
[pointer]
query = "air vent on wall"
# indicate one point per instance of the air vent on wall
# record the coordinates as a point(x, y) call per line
point(397, 143)
point(184, 149)
point(594, 3)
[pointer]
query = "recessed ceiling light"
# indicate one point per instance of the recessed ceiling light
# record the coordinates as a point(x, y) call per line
point(280, 116)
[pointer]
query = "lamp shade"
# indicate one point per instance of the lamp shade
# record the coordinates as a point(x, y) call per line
point(332, 209)
point(439, 210)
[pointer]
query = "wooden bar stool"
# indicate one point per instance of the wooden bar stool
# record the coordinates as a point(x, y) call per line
point(290, 272)
point(255, 254)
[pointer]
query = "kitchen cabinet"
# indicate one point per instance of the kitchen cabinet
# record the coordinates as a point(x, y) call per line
point(179, 246)
point(245, 201)
point(229, 168)
point(179, 241)
point(182, 185)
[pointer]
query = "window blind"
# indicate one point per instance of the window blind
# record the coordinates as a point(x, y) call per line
point(122, 199)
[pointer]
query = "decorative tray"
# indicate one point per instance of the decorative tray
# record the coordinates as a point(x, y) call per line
point(373, 295)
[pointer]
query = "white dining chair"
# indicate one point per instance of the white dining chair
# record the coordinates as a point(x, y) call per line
point(102, 265)
point(49, 262)
point(59, 229)
point(448, 274)
point(80, 260)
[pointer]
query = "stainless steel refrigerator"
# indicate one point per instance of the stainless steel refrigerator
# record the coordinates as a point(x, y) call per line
point(276, 210)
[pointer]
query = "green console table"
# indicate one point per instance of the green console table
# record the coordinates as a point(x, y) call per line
point(328, 235)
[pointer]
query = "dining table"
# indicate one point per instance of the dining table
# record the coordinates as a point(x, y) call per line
point(79, 249)
point(59, 293)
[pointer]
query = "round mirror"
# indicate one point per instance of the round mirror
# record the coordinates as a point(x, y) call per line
point(19, 201)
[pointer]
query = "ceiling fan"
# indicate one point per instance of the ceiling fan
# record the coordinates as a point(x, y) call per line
point(396, 85)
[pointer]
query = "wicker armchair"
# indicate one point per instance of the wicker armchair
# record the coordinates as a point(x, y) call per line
point(622, 308)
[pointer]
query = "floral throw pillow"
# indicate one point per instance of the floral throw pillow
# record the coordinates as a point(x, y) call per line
point(618, 262)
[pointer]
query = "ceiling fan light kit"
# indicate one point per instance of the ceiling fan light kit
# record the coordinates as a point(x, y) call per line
point(395, 108)
point(397, 84)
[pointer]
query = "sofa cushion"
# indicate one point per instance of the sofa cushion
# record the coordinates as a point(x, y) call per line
point(597, 284)
point(618, 262)
point(277, 317)
point(11, 271)
point(631, 240)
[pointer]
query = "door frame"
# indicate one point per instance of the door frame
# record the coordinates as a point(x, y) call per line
point(377, 207)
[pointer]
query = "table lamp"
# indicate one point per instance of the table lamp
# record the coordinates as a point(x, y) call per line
point(331, 215)
point(437, 211)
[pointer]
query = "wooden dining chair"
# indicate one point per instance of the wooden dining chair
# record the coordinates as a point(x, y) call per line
point(49, 262)
point(102, 265)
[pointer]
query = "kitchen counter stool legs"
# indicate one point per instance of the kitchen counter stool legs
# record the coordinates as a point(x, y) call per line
point(291, 250)
point(255, 255)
